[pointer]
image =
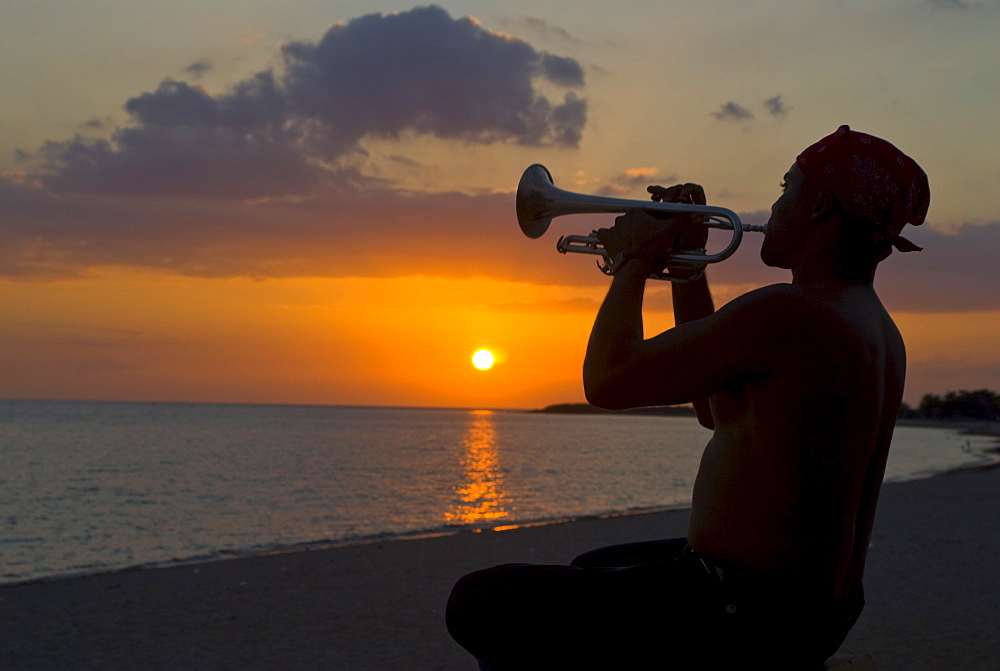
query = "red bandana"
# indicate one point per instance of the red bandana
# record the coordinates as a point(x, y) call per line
point(872, 180)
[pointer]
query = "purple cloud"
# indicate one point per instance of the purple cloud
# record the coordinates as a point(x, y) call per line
point(732, 112)
point(354, 234)
point(776, 106)
point(292, 130)
point(199, 68)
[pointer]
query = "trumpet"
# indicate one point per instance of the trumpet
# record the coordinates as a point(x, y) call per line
point(539, 201)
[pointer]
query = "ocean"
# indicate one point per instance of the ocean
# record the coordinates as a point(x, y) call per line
point(88, 487)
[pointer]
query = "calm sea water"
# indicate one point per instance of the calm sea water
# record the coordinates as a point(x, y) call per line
point(90, 486)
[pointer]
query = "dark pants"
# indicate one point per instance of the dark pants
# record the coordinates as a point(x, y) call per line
point(641, 605)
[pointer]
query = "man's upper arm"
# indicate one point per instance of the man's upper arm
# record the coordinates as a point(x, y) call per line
point(740, 342)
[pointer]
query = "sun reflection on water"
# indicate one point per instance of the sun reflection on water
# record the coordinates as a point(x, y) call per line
point(481, 498)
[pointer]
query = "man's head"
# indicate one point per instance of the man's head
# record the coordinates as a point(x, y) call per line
point(872, 187)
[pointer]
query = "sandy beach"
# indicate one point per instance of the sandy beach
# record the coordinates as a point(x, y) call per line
point(933, 595)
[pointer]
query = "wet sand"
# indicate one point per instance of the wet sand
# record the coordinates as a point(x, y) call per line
point(932, 583)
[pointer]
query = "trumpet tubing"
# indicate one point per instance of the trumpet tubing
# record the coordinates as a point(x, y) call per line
point(539, 201)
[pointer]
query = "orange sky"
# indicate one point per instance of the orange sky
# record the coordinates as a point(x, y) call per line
point(405, 341)
point(401, 341)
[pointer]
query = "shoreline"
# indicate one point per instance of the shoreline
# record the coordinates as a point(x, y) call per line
point(326, 545)
point(931, 602)
point(964, 425)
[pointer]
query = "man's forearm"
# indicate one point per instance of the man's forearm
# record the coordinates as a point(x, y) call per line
point(617, 330)
point(693, 300)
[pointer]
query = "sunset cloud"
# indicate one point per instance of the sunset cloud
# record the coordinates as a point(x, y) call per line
point(776, 106)
point(542, 28)
point(294, 129)
point(731, 111)
point(446, 234)
point(199, 68)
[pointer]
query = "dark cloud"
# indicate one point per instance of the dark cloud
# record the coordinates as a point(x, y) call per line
point(183, 161)
point(544, 29)
point(293, 130)
point(561, 70)
point(199, 68)
point(421, 70)
point(177, 103)
point(732, 112)
point(406, 161)
point(566, 121)
point(950, 4)
point(776, 106)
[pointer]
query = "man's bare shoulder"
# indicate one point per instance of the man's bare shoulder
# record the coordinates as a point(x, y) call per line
point(768, 308)
point(783, 322)
point(777, 294)
point(790, 306)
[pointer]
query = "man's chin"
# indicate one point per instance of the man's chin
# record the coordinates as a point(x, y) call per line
point(774, 263)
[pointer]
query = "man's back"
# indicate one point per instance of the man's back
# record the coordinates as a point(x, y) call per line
point(789, 482)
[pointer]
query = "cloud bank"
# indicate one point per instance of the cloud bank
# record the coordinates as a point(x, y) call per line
point(292, 130)
point(447, 234)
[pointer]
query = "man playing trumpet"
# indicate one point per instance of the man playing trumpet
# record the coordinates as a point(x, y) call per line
point(801, 384)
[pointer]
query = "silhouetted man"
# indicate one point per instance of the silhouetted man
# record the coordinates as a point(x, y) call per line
point(801, 383)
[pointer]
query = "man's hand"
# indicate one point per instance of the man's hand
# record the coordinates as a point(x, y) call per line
point(639, 230)
point(694, 236)
point(658, 233)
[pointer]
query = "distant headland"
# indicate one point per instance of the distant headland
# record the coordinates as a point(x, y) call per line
point(587, 409)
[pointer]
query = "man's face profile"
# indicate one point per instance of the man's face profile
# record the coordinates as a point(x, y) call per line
point(786, 226)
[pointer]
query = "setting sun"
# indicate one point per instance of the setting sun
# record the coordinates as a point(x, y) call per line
point(483, 359)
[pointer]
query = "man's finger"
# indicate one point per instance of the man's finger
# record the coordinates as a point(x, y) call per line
point(663, 194)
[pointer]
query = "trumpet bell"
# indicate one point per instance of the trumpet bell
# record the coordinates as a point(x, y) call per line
point(534, 206)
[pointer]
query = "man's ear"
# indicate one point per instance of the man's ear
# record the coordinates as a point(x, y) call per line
point(824, 205)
